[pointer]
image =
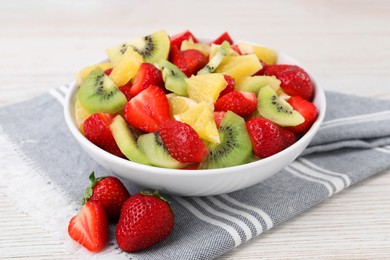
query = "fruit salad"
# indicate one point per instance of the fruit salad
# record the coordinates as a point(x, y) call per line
point(177, 102)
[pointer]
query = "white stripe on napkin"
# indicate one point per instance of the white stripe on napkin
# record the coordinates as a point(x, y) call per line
point(384, 149)
point(234, 234)
point(380, 116)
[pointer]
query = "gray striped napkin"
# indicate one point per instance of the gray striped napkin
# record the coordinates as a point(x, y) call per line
point(352, 144)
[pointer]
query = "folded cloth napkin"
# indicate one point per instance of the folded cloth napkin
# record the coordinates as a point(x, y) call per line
point(352, 144)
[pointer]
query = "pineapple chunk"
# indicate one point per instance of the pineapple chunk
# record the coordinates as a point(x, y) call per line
point(239, 67)
point(126, 68)
point(179, 104)
point(267, 55)
point(205, 87)
point(190, 44)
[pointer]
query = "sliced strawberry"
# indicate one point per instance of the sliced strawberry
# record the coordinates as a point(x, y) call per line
point(223, 37)
point(235, 48)
point(189, 61)
point(177, 39)
point(294, 80)
point(126, 89)
point(307, 109)
point(218, 116)
point(97, 130)
point(229, 87)
point(182, 142)
point(267, 137)
point(90, 227)
point(239, 102)
point(108, 71)
point(147, 75)
point(148, 110)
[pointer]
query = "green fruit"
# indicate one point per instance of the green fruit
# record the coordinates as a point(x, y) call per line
point(174, 78)
point(276, 109)
point(153, 48)
point(154, 149)
point(216, 60)
point(98, 93)
point(235, 147)
point(255, 83)
point(126, 139)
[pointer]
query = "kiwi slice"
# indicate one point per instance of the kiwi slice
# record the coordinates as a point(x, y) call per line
point(154, 149)
point(98, 93)
point(125, 138)
point(174, 78)
point(255, 83)
point(153, 48)
point(276, 109)
point(214, 62)
point(235, 147)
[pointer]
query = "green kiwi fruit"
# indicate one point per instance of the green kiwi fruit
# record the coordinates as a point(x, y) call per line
point(126, 139)
point(216, 60)
point(235, 147)
point(154, 149)
point(276, 109)
point(97, 93)
point(255, 83)
point(153, 48)
point(174, 78)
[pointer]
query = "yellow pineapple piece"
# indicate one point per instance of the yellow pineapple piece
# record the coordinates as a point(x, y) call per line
point(205, 87)
point(126, 68)
point(80, 114)
point(179, 104)
point(214, 48)
point(239, 67)
point(190, 44)
point(83, 74)
point(201, 118)
point(267, 55)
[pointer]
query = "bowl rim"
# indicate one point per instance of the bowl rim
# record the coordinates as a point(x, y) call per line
point(319, 96)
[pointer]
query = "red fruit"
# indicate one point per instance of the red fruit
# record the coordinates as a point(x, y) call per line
point(90, 227)
point(126, 90)
point(294, 80)
point(189, 61)
point(239, 102)
point(145, 220)
point(109, 192)
point(97, 130)
point(262, 70)
point(147, 75)
point(229, 87)
point(267, 137)
point(148, 110)
point(223, 37)
point(177, 39)
point(182, 142)
point(235, 48)
point(307, 109)
point(108, 71)
point(218, 116)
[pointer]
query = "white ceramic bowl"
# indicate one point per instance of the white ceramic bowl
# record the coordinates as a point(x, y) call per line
point(197, 182)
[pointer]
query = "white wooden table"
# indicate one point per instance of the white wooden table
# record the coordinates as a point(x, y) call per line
point(345, 43)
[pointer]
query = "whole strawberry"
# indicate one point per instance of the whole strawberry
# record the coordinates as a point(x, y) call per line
point(109, 192)
point(146, 219)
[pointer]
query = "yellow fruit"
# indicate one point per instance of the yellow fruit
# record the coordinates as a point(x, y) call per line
point(205, 87)
point(190, 44)
point(267, 55)
point(126, 68)
point(83, 74)
point(214, 48)
point(201, 118)
point(80, 114)
point(239, 67)
point(179, 104)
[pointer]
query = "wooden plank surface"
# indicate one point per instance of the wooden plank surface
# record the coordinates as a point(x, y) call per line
point(346, 44)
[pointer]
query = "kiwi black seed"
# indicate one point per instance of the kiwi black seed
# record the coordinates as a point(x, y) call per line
point(276, 109)
point(235, 147)
point(97, 93)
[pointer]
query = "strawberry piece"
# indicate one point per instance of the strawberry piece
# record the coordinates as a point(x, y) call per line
point(126, 89)
point(90, 227)
point(218, 116)
point(145, 220)
point(267, 137)
point(262, 70)
point(97, 130)
point(108, 71)
point(148, 110)
point(229, 86)
point(307, 109)
point(239, 102)
point(109, 192)
point(235, 48)
point(223, 37)
point(147, 75)
point(177, 39)
point(189, 61)
point(183, 142)
point(294, 80)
